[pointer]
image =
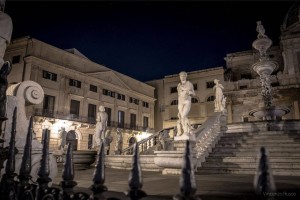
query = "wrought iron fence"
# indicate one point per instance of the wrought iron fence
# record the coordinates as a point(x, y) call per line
point(20, 187)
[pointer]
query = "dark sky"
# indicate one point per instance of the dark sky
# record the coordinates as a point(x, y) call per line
point(149, 39)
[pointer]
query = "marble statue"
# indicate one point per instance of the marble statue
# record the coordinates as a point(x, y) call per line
point(6, 28)
point(185, 92)
point(63, 138)
point(108, 140)
point(101, 125)
point(261, 30)
point(119, 142)
point(220, 100)
point(4, 71)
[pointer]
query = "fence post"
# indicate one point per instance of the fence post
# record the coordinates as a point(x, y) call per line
point(263, 179)
point(99, 175)
point(25, 189)
point(68, 175)
point(8, 185)
point(44, 179)
point(187, 179)
point(135, 177)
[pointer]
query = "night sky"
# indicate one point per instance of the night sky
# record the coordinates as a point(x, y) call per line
point(149, 39)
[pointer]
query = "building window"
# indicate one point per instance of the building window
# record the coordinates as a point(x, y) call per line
point(48, 107)
point(210, 84)
point(90, 141)
point(74, 107)
point(92, 113)
point(121, 97)
point(246, 76)
point(174, 102)
point(173, 90)
point(145, 122)
point(108, 111)
point(108, 93)
point(49, 75)
point(132, 121)
point(75, 83)
point(194, 100)
point(243, 87)
point(195, 86)
point(133, 100)
point(16, 59)
point(93, 88)
point(210, 98)
point(245, 119)
point(121, 119)
point(145, 104)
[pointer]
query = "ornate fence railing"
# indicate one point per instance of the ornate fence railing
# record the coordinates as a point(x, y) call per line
point(20, 187)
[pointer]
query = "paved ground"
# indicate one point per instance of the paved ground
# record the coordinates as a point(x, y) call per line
point(209, 187)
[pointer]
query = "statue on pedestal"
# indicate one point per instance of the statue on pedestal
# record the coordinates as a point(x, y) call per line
point(4, 71)
point(185, 92)
point(220, 100)
point(101, 125)
point(119, 142)
point(5, 37)
point(63, 138)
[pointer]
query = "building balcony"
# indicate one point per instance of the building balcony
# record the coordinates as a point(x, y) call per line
point(89, 120)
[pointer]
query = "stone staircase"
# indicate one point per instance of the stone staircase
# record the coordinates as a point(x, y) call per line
point(237, 153)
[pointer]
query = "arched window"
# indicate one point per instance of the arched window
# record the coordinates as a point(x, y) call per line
point(174, 102)
point(194, 100)
point(210, 98)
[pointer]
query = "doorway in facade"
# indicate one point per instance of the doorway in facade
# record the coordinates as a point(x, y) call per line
point(71, 138)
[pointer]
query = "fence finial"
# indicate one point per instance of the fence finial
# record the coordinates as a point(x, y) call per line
point(25, 187)
point(263, 179)
point(187, 179)
point(44, 171)
point(99, 174)
point(68, 175)
point(7, 184)
point(135, 177)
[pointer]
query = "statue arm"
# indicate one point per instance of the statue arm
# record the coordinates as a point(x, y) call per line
point(192, 91)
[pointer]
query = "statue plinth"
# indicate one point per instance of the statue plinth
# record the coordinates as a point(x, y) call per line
point(179, 145)
point(185, 137)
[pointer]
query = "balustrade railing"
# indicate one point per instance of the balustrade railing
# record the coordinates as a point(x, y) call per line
point(143, 145)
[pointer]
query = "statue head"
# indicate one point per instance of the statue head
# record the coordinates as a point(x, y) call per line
point(182, 76)
point(101, 108)
point(216, 81)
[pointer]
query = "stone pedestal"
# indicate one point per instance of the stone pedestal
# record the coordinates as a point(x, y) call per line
point(179, 145)
point(172, 161)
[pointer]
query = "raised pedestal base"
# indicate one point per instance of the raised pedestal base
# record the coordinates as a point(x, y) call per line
point(172, 161)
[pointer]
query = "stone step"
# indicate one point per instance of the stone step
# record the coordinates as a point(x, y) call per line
point(256, 136)
point(254, 145)
point(256, 149)
point(260, 141)
point(254, 153)
point(251, 165)
point(281, 172)
point(251, 159)
point(287, 136)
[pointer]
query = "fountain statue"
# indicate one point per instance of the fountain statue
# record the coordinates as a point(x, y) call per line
point(264, 68)
point(220, 100)
point(185, 92)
